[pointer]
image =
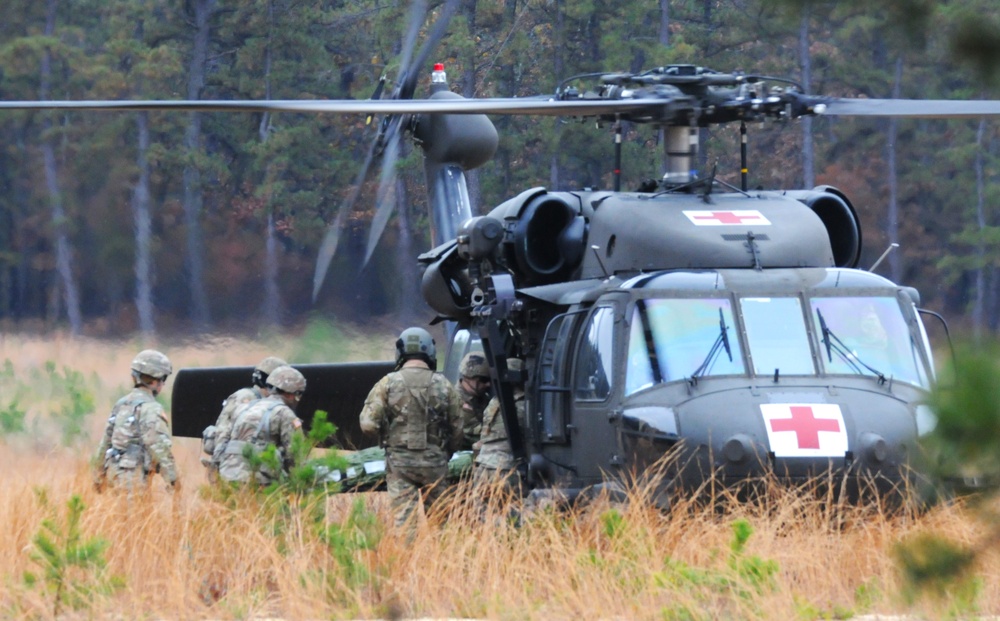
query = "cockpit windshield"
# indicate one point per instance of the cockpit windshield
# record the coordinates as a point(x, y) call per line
point(673, 339)
point(867, 336)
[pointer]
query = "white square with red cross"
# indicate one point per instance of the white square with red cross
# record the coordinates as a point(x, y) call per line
point(721, 217)
point(805, 429)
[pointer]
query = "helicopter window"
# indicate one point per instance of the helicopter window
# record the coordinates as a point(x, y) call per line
point(868, 336)
point(675, 339)
point(776, 335)
point(639, 373)
point(595, 357)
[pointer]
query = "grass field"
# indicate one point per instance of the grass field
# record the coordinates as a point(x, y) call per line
point(201, 554)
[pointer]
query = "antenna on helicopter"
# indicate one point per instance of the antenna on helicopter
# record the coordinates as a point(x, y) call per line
point(891, 247)
point(743, 157)
point(597, 255)
point(618, 154)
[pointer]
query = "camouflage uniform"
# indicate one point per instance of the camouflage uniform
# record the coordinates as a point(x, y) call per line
point(417, 414)
point(258, 424)
point(214, 436)
point(473, 406)
point(136, 442)
point(474, 403)
point(495, 460)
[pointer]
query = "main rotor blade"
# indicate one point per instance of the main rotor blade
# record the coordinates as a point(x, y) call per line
point(539, 106)
point(912, 108)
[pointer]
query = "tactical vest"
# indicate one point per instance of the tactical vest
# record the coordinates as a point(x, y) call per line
point(261, 434)
point(418, 417)
point(210, 435)
point(127, 450)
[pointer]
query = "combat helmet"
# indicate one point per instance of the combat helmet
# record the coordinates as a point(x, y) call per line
point(153, 363)
point(286, 379)
point(416, 343)
point(264, 368)
point(474, 365)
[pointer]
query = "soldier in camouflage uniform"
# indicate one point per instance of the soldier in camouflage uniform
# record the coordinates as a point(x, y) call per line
point(257, 424)
point(495, 460)
point(211, 438)
point(474, 388)
point(136, 440)
point(416, 413)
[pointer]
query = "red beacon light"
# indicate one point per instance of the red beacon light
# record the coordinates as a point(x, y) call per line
point(438, 76)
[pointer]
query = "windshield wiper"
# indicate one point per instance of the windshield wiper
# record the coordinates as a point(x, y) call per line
point(721, 342)
point(834, 344)
point(725, 337)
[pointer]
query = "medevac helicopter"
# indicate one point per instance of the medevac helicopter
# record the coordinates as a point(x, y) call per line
point(724, 329)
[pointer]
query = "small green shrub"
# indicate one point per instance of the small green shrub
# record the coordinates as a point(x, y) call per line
point(72, 568)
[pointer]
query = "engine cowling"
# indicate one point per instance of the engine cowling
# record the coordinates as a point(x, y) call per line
point(840, 219)
point(547, 240)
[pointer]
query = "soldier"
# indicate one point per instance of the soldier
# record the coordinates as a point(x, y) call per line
point(137, 438)
point(495, 460)
point(257, 424)
point(473, 386)
point(417, 414)
point(211, 439)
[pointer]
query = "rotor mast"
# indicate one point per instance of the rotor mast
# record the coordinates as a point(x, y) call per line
point(680, 146)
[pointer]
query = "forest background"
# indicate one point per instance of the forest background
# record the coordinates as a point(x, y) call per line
point(180, 223)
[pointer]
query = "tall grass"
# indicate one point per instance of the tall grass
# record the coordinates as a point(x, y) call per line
point(199, 553)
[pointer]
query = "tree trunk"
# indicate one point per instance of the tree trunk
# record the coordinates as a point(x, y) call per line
point(805, 63)
point(410, 302)
point(979, 304)
point(271, 305)
point(271, 308)
point(664, 23)
point(194, 259)
point(143, 231)
point(63, 252)
point(557, 67)
point(892, 217)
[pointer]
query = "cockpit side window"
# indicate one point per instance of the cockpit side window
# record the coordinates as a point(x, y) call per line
point(594, 370)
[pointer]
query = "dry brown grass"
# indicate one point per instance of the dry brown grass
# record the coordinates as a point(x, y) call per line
point(196, 554)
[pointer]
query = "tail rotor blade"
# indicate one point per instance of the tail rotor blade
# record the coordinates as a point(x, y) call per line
point(326, 251)
point(328, 248)
point(418, 12)
point(440, 28)
point(386, 197)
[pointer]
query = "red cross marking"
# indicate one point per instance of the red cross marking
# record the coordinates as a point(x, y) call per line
point(728, 217)
point(805, 425)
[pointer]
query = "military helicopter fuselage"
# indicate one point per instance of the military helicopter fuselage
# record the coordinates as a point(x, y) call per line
point(727, 334)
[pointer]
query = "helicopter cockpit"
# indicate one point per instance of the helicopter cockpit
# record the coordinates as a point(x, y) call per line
point(818, 333)
point(736, 359)
point(685, 326)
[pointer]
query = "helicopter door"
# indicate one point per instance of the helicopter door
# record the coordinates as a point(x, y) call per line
point(594, 382)
point(553, 388)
